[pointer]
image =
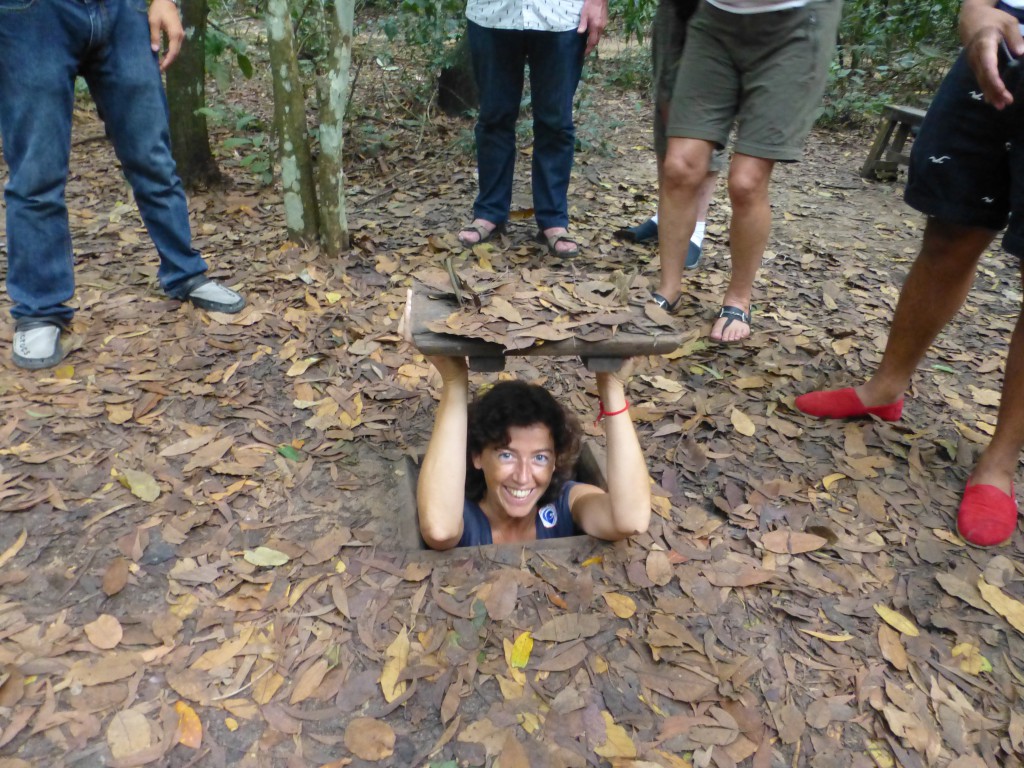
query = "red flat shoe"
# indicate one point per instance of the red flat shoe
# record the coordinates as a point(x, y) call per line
point(845, 404)
point(987, 517)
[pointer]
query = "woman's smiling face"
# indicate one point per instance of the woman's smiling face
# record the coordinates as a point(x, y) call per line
point(518, 474)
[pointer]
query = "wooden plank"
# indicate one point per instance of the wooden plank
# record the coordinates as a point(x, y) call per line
point(426, 310)
point(909, 115)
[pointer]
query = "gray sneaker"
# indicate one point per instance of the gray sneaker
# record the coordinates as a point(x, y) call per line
point(37, 344)
point(212, 296)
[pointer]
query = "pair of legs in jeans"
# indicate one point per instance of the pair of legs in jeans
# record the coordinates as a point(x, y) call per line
point(556, 63)
point(967, 175)
point(44, 45)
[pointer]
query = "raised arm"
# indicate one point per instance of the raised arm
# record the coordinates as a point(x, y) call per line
point(982, 28)
point(441, 490)
point(626, 508)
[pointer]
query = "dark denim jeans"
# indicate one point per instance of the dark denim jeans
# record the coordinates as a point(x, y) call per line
point(556, 63)
point(44, 44)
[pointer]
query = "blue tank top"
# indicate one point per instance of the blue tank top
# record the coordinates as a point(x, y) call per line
point(553, 521)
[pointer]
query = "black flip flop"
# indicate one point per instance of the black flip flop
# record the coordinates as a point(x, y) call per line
point(668, 306)
point(732, 314)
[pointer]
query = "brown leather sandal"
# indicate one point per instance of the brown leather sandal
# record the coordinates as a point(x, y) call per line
point(483, 234)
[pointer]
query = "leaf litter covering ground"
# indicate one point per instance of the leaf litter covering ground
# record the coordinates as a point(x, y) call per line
point(198, 560)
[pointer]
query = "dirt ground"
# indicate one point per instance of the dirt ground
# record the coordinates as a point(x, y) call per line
point(203, 559)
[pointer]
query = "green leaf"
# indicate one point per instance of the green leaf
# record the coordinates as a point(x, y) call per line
point(245, 65)
point(239, 141)
point(289, 452)
point(943, 368)
point(265, 557)
point(479, 613)
point(711, 371)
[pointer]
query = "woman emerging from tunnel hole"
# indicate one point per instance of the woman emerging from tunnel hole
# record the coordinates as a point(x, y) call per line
point(498, 469)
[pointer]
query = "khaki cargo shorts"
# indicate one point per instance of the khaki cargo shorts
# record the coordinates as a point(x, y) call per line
point(765, 72)
point(668, 36)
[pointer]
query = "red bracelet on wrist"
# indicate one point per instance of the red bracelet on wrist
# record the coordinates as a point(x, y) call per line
point(601, 412)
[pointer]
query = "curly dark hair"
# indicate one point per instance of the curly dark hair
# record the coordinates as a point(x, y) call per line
point(518, 404)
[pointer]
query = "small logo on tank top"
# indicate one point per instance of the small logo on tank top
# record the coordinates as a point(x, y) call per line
point(548, 516)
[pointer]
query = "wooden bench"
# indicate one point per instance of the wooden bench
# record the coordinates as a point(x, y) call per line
point(887, 155)
point(487, 356)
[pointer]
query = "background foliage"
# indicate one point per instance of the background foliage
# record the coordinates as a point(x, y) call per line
point(889, 51)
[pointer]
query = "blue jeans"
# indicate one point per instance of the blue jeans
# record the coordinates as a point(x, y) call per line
point(44, 44)
point(556, 63)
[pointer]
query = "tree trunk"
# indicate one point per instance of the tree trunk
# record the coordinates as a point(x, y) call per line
point(186, 95)
point(297, 181)
point(333, 100)
point(456, 88)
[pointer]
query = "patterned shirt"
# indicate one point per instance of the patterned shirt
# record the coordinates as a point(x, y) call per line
point(534, 15)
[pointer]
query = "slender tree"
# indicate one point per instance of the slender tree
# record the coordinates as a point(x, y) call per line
point(297, 180)
point(334, 91)
point(186, 96)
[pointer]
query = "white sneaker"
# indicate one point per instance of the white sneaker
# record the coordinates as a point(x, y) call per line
point(37, 346)
point(214, 297)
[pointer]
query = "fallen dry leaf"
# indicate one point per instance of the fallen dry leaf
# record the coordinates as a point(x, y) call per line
point(105, 632)
point(897, 620)
point(15, 548)
point(141, 484)
point(190, 728)
point(370, 739)
point(622, 606)
point(115, 577)
point(742, 423)
point(786, 542)
point(128, 733)
point(397, 656)
point(1010, 609)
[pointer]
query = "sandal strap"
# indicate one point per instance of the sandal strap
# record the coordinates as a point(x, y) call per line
point(553, 241)
point(482, 233)
point(661, 301)
point(734, 313)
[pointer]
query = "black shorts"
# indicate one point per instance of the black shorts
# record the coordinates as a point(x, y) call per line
point(967, 163)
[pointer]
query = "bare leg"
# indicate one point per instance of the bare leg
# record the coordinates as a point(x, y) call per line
point(705, 192)
point(685, 169)
point(998, 463)
point(936, 287)
point(748, 237)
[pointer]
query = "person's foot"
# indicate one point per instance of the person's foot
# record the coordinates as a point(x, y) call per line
point(212, 296)
point(846, 403)
point(480, 231)
point(693, 255)
point(37, 344)
point(732, 324)
point(988, 511)
point(559, 243)
point(641, 233)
